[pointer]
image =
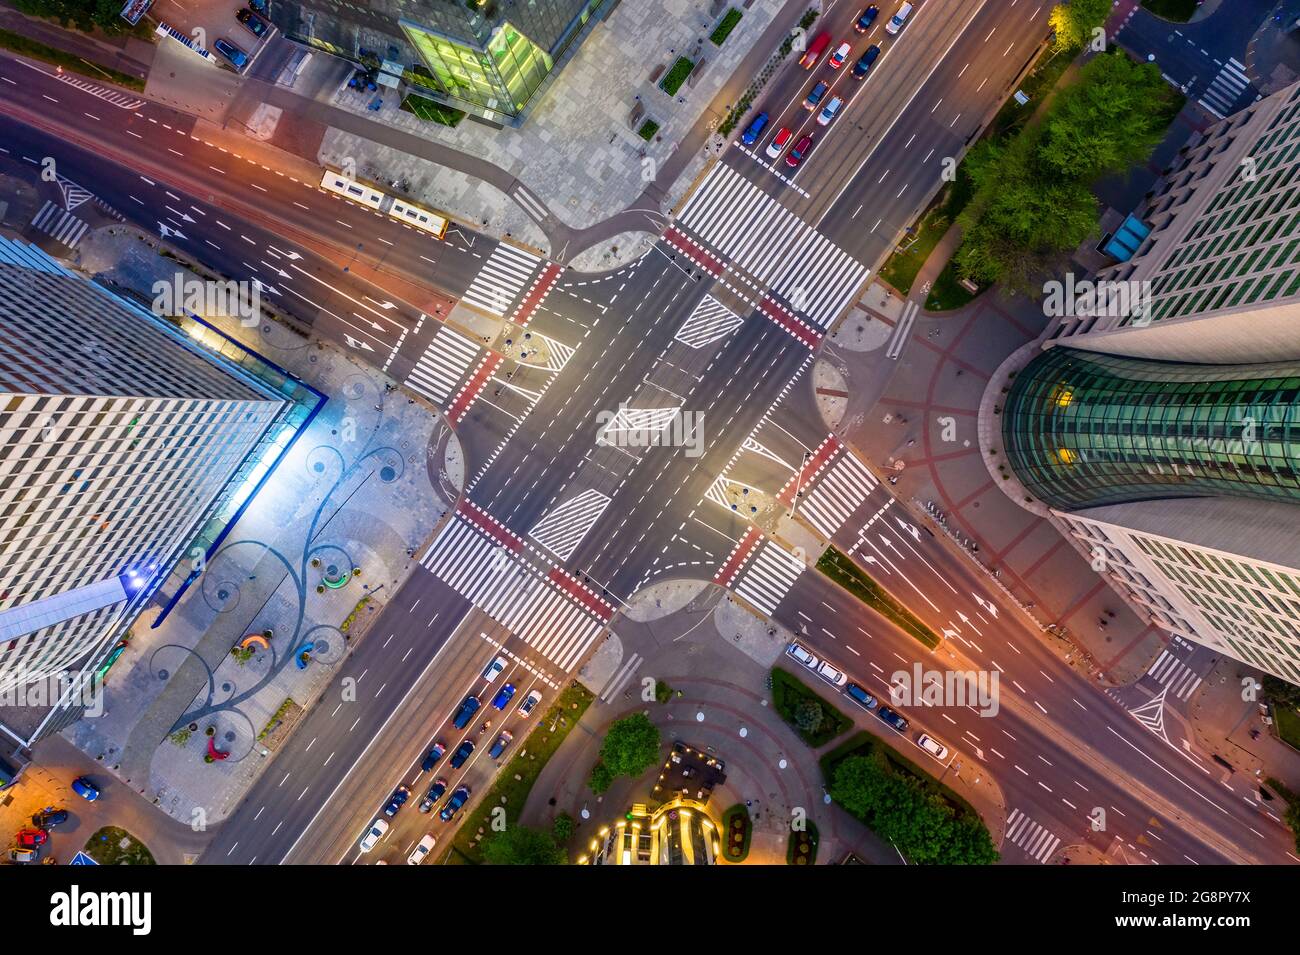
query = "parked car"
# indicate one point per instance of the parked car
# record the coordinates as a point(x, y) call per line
point(431, 758)
point(253, 23)
point(466, 712)
point(778, 143)
point(815, 94)
point(500, 745)
point(863, 66)
point(84, 788)
point(932, 746)
point(526, 707)
point(237, 57)
point(502, 699)
point(866, 18)
point(31, 838)
point(898, 19)
point(829, 111)
point(800, 654)
point(420, 852)
point(373, 835)
point(396, 801)
point(831, 675)
point(839, 56)
point(800, 150)
point(860, 696)
point(896, 720)
point(49, 817)
point(754, 130)
point(462, 753)
point(433, 795)
point(458, 799)
point(19, 854)
point(494, 668)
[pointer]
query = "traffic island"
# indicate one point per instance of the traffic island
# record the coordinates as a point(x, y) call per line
point(841, 569)
point(113, 846)
point(813, 718)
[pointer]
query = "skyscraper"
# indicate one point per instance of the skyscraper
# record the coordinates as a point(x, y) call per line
point(119, 438)
point(489, 57)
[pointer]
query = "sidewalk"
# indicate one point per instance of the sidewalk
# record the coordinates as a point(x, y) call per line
point(126, 54)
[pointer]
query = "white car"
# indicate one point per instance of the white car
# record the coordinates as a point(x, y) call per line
point(525, 709)
point(798, 652)
point(373, 834)
point(423, 849)
point(495, 668)
point(932, 746)
point(898, 19)
point(831, 675)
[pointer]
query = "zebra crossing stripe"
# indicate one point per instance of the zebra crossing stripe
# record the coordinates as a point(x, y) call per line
point(837, 495)
point(562, 530)
point(443, 365)
point(727, 572)
point(59, 224)
point(1225, 89)
point(537, 294)
point(1035, 840)
point(812, 466)
point(1168, 670)
point(500, 279)
point(621, 677)
point(710, 321)
point(769, 577)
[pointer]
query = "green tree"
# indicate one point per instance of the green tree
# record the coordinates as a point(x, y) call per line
point(1280, 692)
point(808, 716)
point(519, 845)
point(1073, 22)
point(631, 746)
point(600, 779)
point(562, 828)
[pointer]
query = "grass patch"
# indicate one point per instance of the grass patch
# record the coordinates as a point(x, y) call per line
point(788, 692)
point(947, 293)
point(17, 43)
point(648, 130)
point(1044, 75)
point(901, 269)
point(431, 110)
point(737, 829)
point(515, 781)
point(106, 848)
point(724, 28)
point(855, 580)
point(1287, 721)
point(1179, 11)
point(675, 77)
point(802, 849)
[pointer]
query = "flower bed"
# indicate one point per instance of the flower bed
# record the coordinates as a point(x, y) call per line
point(737, 828)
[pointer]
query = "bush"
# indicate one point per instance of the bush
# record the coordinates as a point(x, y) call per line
point(631, 746)
point(808, 716)
point(648, 130)
point(724, 28)
point(676, 76)
point(562, 828)
point(663, 692)
point(600, 779)
point(790, 697)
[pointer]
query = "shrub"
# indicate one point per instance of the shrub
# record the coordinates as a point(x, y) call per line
point(648, 130)
point(676, 76)
point(724, 28)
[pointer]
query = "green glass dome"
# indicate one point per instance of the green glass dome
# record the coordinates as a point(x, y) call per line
point(1083, 429)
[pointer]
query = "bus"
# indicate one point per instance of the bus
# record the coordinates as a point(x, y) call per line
point(419, 217)
point(341, 185)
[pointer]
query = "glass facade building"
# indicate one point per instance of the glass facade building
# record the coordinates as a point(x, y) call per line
point(1083, 429)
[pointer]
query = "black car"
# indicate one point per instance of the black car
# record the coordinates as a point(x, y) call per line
point(861, 67)
point(893, 719)
point(462, 753)
point(458, 799)
point(433, 795)
point(466, 712)
point(866, 18)
point(396, 801)
point(432, 757)
point(49, 817)
point(253, 23)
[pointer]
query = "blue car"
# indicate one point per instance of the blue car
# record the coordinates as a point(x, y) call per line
point(396, 801)
point(502, 699)
point(237, 57)
point(433, 795)
point(431, 758)
point(755, 130)
point(458, 799)
point(466, 712)
point(500, 745)
point(84, 788)
point(866, 18)
point(863, 65)
point(462, 753)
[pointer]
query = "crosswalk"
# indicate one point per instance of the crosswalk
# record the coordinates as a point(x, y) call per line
point(1221, 97)
point(1170, 671)
point(59, 224)
point(711, 321)
point(444, 364)
point(842, 489)
point(622, 676)
point(497, 581)
point(756, 233)
point(769, 577)
point(501, 278)
point(562, 529)
point(1037, 841)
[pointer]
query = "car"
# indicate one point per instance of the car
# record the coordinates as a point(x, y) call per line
point(831, 675)
point(754, 130)
point(500, 745)
point(863, 66)
point(525, 708)
point(19, 854)
point(896, 720)
point(800, 654)
point(31, 838)
point(373, 835)
point(49, 817)
point(431, 758)
point(397, 800)
point(259, 5)
point(253, 23)
point(839, 56)
point(494, 668)
point(468, 707)
point(815, 95)
point(829, 110)
point(502, 699)
point(866, 18)
point(860, 696)
point(898, 19)
point(458, 799)
point(815, 49)
point(84, 788)
point(237, 57)
point(433, 795)
point(932, 746)
point(423, 849)
point(462, 753)
point(778, 142)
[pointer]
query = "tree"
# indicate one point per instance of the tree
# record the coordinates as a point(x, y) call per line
point(1073, 23)
point(631, 746)
point(1281, 693)
point(562, 828)
point(519, 845)
point(808, 716)
point(600, 779)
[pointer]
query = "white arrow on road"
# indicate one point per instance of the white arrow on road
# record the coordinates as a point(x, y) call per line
point(385, 305)
point(352, 342)
point(916, 535)
point(339, 291)
point(262, 286)
point(166, 230)
point(986, 604)
point(180, 215)
point(291, 256)
point(277, 270)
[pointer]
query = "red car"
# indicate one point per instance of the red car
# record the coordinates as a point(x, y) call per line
point(31, 838)
point(800, 150)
